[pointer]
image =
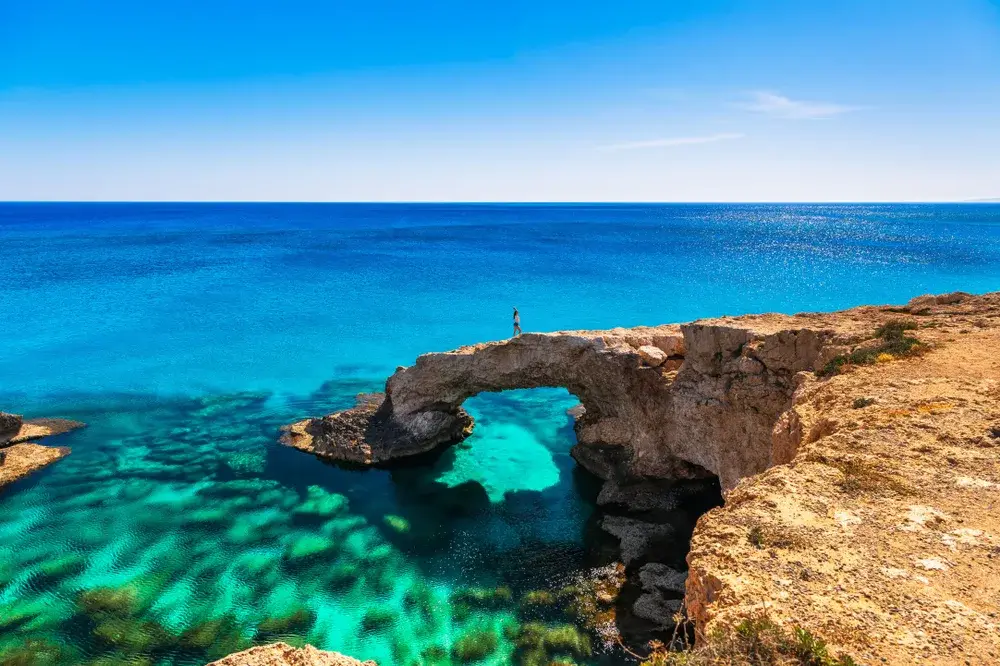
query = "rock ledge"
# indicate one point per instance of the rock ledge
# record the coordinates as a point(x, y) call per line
point(282, 654)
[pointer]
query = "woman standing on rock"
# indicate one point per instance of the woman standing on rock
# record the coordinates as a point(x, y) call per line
point(517, 323)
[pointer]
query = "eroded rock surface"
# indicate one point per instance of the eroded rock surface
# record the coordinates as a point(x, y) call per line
point(18, 459)
point(367, 434)
point(10, 426)
point(882, 534)
point(662, 594)
point(32, 429)
point(282, 654)
point(861, 499)
point(643, 417)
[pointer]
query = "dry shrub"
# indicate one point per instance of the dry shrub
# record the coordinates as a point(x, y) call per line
point(864, 477)
point(773, 536)
point(755, 641)
point(895, 344)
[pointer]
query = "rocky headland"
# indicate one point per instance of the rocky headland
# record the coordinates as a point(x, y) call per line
point(18, 457)
point(859, 454)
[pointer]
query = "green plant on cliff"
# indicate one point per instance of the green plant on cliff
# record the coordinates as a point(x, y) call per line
point(756, 641)
point(894, 342)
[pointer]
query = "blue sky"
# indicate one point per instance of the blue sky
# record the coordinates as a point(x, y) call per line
point(865, 100)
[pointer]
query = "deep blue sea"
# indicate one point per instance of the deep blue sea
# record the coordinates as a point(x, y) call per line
point(186, 334)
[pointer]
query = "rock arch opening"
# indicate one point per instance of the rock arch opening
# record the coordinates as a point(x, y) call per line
point(521, 443)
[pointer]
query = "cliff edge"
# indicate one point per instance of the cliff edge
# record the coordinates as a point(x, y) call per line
point(859, 452)
point(882, 534)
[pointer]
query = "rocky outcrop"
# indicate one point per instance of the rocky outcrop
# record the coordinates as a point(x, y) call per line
point(861, 486)
point(10, 426)
point(881, 534)
point(364, 435)
point(704, 405)
point(282, 654)
point(662, 596)
point(18, 459)
point(32, 429)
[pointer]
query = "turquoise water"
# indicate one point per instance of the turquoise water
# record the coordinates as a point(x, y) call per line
point(185, 335)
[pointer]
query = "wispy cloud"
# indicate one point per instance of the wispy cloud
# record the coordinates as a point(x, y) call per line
point(669, 143)
point(784, 107)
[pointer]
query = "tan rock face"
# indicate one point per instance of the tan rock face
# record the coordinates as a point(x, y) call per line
point(10, 426)
point(33, 429)
point(20, 460)
point(652, 356)
point(881, 534)
point(643, 417)
point(860, 506)
point(282, 654)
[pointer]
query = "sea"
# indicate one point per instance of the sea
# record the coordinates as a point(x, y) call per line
point(186, 335)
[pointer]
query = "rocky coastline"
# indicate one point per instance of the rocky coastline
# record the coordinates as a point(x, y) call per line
point(857, 452)
point(18, 456)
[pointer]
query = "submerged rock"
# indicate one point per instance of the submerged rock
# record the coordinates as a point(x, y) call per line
point(307, 545)
point(474, 645)
point(98, 601)
point(322, 503)
point(397, 523)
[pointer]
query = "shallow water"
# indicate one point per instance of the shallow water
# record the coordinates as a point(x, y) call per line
point(178, 530)
point(214, 536)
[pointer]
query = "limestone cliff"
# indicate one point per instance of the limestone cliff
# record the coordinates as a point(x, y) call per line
point(858, 450)
point(665, 402)
point(882, 533)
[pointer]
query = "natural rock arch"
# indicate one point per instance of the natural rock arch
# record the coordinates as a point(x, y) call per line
point(660, 402)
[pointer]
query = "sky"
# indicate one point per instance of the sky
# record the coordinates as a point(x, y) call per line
point(450, 100)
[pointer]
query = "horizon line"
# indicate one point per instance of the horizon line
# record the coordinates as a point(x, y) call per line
point(528, 202)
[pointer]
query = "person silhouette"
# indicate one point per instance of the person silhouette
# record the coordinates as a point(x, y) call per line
point(517, 323)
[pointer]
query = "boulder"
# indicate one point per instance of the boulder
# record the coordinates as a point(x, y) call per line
point(661, 579)
point(662, 594)
point(638, 538)
point(652, 356)
point(657, 610)
point(930, 300)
